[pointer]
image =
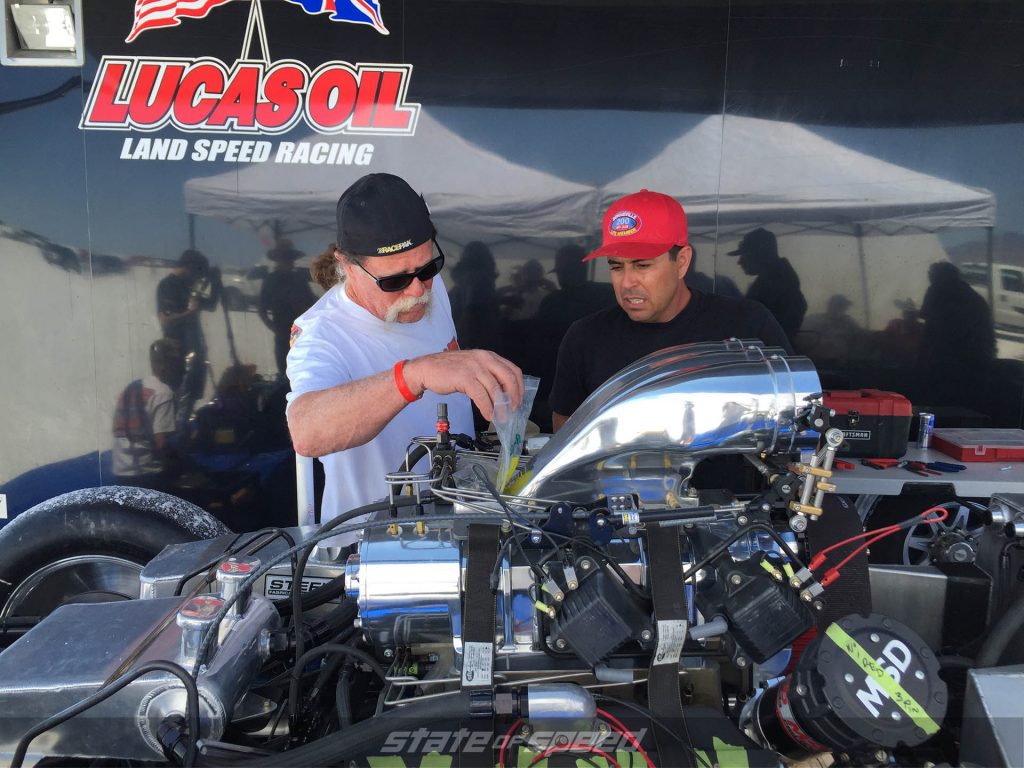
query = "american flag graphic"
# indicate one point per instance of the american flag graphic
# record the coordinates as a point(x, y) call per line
point(351, 11)
point(151, 14)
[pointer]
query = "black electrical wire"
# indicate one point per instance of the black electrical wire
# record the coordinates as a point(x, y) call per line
point(642, 710)
point(321, 534)
point(300, 565)
point(320, 650)
point(491, 489)
point(516, 538)
point(343, 699)
point(314, 598)
point(205, 567)
point(335, 661)
point(365, 737)
point(609, 561)
point(108, 690)
point(233, 549)
point(719, 549)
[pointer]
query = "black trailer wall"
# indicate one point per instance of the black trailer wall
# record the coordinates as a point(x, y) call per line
point(874, 139)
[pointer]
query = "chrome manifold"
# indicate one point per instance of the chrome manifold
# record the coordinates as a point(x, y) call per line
point(655, 419)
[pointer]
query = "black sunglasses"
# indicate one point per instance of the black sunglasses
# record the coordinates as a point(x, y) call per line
point(395, 283)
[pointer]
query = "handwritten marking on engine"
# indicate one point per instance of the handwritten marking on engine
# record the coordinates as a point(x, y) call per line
point(881, 680)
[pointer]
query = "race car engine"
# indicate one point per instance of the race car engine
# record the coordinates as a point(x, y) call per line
point(599, 605)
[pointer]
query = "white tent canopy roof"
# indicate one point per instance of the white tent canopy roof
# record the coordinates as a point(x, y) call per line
point(748, 170)
point(726, 171)
point(472, 193)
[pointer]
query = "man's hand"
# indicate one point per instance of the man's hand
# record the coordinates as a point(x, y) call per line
point(477, 373)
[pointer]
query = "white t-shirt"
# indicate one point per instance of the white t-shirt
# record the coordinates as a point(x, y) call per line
point(134, 458)
point(337, 341)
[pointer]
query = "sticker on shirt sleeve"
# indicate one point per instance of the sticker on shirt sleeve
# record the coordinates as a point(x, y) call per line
point(296, 332)
point(453, 345)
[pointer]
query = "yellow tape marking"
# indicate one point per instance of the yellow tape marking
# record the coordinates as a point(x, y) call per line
point(874, 670)
point(730, 755)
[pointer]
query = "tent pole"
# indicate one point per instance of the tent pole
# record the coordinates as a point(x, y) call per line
point(859, 231)
point(990, 262)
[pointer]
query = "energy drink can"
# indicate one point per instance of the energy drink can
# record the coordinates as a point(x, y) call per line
point(926, 424)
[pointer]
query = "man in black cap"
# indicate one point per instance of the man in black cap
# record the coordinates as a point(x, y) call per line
point(776, 284)
point(371, 360)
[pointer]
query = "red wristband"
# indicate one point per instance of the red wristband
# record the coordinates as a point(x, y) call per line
point(403, 388)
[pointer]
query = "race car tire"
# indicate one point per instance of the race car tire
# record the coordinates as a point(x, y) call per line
point(90, 546)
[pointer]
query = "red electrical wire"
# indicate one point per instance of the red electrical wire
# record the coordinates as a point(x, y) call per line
point(504, 743)
point(575, 748)
point(872, 537)
point(633, 740)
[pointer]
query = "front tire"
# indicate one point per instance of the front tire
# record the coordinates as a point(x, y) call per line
point(90, 546)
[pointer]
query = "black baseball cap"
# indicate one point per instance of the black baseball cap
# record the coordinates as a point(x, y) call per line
point(757, 241)
point(380, 214)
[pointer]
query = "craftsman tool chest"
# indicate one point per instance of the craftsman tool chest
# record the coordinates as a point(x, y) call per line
point(875, 423)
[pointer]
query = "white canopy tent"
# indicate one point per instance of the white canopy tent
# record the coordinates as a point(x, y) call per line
point(834, 209)
point(745, 170)
point(472, 193)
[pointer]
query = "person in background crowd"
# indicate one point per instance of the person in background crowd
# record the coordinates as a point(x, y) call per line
point(832, 337)
point(529, 288)
point(375, 355)
point(475, 300)
point(190, 288)
point(776, 284)
point(144, 421)
point(958, 342)
point(576, 297)
point(720, 284)
point(284, 296)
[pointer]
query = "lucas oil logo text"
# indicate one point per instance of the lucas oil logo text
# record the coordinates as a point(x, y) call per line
point(150, 93)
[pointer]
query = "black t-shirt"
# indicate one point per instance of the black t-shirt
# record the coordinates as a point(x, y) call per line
point(172, 297)
point(285, 296)
point(599, 345)
point(778, 289)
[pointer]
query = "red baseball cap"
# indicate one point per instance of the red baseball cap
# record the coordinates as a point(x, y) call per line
point(643, 225)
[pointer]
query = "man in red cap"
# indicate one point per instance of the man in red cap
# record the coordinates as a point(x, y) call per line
point(644, 238)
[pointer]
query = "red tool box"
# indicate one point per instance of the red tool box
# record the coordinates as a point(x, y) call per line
point(876, 423)
point(969, 444)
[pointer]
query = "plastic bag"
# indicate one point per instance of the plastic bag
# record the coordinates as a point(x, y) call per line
point(510, 424)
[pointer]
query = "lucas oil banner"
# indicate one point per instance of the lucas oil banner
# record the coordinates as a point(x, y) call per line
point(251, 95)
